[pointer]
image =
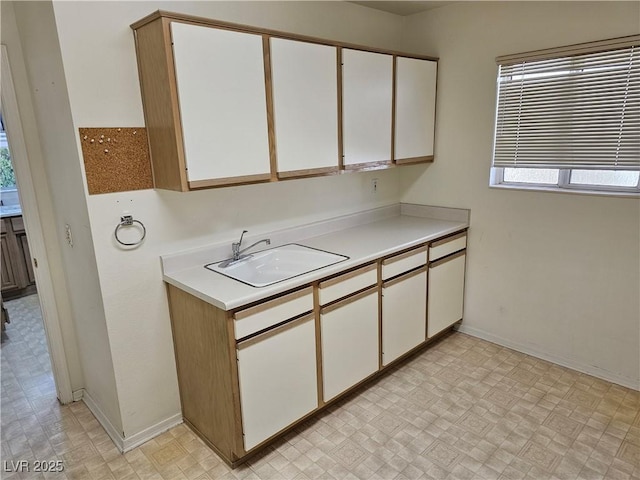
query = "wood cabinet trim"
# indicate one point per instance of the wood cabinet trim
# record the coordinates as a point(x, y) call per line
point(448, 258)
point(261, 307)
point(448, 239)
point(404, 276)
point(394, 74)
point(274, 331)
point(319, 374)
point(238, 444)
point(408, 161)
point(204, 21)
point(346, 276)
point(402, 256)
point(156, 74)
point(268, 85)
point(350, 299)
point(363, 167)
point(340, 110)
point(229, 181)
point(200, 336)
point(311, 172)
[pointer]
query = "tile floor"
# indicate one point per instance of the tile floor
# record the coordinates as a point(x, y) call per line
point(463, 409)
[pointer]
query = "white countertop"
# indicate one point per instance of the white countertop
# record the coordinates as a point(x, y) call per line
point(10, 211)
point(362, 243)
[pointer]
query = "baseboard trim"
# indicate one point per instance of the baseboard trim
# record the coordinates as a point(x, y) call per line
point(77, 395)
point(632, 383)
point(113, 433)
point(126, 444)
point(148, 433)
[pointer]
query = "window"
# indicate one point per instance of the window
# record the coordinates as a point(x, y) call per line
point(569, 118)
point(7, 177)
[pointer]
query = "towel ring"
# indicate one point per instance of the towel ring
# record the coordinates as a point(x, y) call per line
point(127, 221)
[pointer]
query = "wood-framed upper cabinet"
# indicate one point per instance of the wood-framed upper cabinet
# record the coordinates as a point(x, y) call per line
point(367, 98)
point(229, 104)
point(305, 103)
point(205, 104)
point(415, 108)
point(221, 91)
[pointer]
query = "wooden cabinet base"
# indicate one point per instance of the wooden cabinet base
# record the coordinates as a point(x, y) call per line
point(18, 278)
point(206, 362)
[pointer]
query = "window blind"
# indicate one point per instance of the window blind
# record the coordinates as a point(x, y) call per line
point(570, 110)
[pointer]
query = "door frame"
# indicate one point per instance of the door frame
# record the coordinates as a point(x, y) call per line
point(35, 235)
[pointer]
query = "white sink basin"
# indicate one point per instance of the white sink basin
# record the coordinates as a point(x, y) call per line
point(277, 264)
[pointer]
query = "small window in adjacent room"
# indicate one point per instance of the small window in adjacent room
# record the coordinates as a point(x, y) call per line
point(568, 119)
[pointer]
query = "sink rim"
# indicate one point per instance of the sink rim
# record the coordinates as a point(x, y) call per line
point(210, 266)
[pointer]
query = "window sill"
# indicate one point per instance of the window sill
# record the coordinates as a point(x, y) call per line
point(573, 191)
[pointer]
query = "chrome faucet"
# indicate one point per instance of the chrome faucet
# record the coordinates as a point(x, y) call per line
point(237, 254)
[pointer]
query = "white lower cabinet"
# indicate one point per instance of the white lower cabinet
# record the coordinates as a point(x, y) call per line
point(446, 292)
point(278, 379)
point(404, 305)
point(350, 342)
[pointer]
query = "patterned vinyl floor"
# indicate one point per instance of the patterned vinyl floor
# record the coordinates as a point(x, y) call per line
point(463, 409)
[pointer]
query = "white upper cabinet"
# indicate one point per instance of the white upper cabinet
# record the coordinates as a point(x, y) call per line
point(415, 108)
point(221, 91)
point(367, 82)
point(305, 100)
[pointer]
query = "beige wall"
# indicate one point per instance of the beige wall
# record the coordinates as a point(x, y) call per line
point(101, 74)
point(556, 275)
point(542, 274)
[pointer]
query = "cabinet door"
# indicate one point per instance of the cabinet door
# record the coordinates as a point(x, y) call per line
point(221, 91)
point(446, 293)
point(30, 277)
point(305, 99)
point(415, 109)
point(9, 278)
point(350, 342)
point(367, 86)
point(278, 379)
point(404, 314)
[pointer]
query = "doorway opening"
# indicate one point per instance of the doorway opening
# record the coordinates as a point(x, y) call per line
point(25, 356)
point(35, 310)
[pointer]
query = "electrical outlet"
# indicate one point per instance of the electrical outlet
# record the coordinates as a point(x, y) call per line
point(68, 236)
point(374, 185)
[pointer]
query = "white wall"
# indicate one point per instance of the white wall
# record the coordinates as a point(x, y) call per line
point(101, 74)
point(556, 275)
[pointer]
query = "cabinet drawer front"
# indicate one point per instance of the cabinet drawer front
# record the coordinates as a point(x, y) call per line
point(404, 262)
point(341, 286)
point(17, 223)
point(270, 313)
point(447, 246)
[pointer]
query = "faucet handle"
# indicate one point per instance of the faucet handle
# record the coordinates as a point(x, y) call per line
point(242, 235)
point(235, 246)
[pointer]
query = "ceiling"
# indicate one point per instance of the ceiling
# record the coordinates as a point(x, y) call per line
point(401, 7)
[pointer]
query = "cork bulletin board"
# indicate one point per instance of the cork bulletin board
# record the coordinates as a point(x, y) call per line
point(116, 159)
